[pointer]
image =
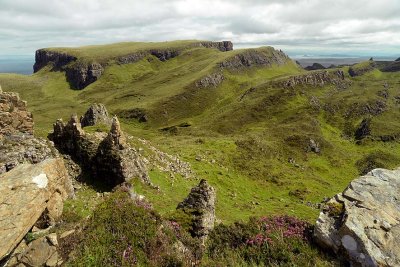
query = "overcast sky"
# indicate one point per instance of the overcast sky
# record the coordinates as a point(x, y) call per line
point(357, 27)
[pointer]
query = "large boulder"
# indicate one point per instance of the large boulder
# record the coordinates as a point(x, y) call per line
point(27, 192)
point(200, 204)
point(14, 115)
point(96, 114)
point(363, 223)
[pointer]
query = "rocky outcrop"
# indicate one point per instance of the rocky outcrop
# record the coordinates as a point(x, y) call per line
point(200, 205)
point(363, 223)
point(315, 66)
point(255, 57)
point(362, 68)
point(81, 75)
point(14, 115)
point(211, 80)
point(391, 67)
point(316, 78)
point(116, 162)
point(23, 148)
point(363, 130)
point(108, 158)
point(27, 192)
point(17, 143)
point(136, 113)
point(58, 59)
point(164, 55)
point(96, 114)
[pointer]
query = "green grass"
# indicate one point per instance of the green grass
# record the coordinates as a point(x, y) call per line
point(249, 128)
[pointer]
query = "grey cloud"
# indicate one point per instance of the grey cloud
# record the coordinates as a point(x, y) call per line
point(333, 25)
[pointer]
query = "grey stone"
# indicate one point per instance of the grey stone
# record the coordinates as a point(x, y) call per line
point(368, 227)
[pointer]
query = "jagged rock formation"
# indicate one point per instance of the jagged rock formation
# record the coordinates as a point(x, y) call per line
point(117, 162)
point(316, 78)
point(315, 66)
point(96, 114)
point(81, 73)
point(107, 157)
point(253, 57)
point(200, 204)
point(363, 223)
point(211, 80)
point(27, 192)
point(14, 115)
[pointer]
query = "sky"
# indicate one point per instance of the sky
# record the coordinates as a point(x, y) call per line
point(315, 27)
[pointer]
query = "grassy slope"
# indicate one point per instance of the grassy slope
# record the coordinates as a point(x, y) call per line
point(250, 140)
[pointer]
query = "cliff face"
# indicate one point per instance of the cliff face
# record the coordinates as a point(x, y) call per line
point(80, 74)
point(44, 57)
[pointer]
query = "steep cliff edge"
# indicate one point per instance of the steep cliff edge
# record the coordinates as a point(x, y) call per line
point(82, 70)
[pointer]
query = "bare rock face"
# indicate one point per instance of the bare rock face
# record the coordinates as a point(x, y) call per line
point(81, 75)
point(200, 204)
point(14, 115)
point(27, 192)
point(96, 114)
point(363, 223)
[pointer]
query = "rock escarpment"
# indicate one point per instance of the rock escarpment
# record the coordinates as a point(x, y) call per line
point(316, 78)
point(200, 204)
point(363, 222)
point(108, 157)
point(14, 115)
point(255, 57)
point(81, 73)
point(27, 192)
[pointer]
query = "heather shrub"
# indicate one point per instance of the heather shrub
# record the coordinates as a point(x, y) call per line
point(265, 241)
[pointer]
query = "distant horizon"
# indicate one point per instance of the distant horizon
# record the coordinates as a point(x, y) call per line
point(318, 27)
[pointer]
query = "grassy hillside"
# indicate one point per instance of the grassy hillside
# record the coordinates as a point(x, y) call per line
point(249, 136)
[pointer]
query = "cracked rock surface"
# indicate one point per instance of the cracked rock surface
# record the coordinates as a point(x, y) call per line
point(363, 223)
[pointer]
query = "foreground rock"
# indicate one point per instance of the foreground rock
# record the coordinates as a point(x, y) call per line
point(17, 143)
point(28, 192)
point(14, 115)
point(200, 204)
point(363, 222)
